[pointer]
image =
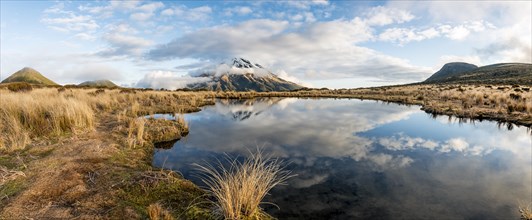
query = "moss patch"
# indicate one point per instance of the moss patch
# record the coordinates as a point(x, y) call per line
point(10, 189)
point(167, 188)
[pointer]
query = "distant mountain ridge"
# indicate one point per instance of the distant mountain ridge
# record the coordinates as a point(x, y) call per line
point(240, 74)
point(29, 75)
point(501, 73)
point(450, 70)
point(99, 83)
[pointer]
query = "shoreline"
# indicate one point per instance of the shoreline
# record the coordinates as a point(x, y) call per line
point(106, 171)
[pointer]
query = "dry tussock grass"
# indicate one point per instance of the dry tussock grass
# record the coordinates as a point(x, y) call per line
point(49, 112)
point(39, 113)
point(526, 212)
point(157, 212)
point(7, 175)
point(240, 188)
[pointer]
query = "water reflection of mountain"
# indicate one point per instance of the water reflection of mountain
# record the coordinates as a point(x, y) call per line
point(363, 159)
point(243, 109)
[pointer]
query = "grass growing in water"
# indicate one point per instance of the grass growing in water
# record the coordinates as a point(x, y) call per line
point(240, 188)
point(526, 213)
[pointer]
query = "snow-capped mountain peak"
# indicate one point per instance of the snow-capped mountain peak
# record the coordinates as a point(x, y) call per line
point(241, 75)
point(235, 66)
point(243, 63)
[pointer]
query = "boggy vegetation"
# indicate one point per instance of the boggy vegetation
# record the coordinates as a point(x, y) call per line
point(86, 153)
point(82, 152)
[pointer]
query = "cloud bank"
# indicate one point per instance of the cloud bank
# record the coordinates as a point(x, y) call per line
point(168, 80)
point(321, 50)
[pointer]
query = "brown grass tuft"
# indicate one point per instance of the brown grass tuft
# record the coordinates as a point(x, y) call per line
point(157, 212)
point(135, 135)
point(526, 213)
point(40, 113)
point(240, 188)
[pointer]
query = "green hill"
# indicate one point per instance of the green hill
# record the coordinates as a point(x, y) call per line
point(29, 75)
point(98, 83)
point(502, 73)
point(450, 70)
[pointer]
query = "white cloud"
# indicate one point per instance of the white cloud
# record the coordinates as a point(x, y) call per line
point(71, 22)
point(284, 75)
point(107, 11)
point(168, 80)
point(122, 42)
point(191, 14)
point(240, 10)
point(454, 33)
point(320, 50)
point(150, 7)
point(457, 32)
point(146, 11)
point(463, 11)
point(503, 26)
point(305, 4)
point(55, 9)
point(385, 15)
point(297, 17)
point(513, 49)
point(85, 36)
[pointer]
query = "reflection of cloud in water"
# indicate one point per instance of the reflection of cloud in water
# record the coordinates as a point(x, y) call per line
point(386, 161)
point(285, 102)
point(513, 141)
point(242, 109)
point(329, 130)
point(350, 165)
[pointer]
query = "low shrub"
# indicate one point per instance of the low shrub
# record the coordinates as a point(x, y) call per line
point(20, 87)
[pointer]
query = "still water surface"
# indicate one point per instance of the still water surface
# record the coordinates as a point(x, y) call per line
point(365, 159)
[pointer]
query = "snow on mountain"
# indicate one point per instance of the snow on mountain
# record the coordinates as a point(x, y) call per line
point(238, 66)
point(237, 74)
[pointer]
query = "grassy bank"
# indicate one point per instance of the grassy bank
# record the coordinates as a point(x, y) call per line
point(74, 152)
point(86, 153)
point(502, 103)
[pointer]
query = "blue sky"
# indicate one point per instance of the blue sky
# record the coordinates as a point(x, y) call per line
point(335, 44)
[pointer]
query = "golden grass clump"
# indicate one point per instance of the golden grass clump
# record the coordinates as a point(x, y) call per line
point(526, 213)
point(135, 135)
point(39, 113)
point(157, 212)
point(240, 188)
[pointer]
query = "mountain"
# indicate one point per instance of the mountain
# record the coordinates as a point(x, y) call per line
point(451, 70)
point(98, 83)
point(29, 75)
point(240, 74)
point(501, 73)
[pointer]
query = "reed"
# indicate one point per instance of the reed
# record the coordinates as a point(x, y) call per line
point(240, 187)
